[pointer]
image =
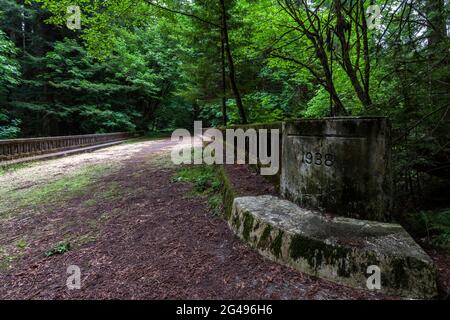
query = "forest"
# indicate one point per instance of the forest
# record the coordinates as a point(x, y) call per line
point(154, 66)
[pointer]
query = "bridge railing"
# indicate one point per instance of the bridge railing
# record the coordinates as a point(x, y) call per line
point(24, 148)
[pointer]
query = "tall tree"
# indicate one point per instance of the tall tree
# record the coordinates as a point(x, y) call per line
point(101, 19)
point(233, 82)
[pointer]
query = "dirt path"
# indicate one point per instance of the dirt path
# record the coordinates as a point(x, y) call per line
point(133, 233)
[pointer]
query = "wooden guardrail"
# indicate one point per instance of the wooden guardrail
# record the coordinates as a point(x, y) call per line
point(24, 148)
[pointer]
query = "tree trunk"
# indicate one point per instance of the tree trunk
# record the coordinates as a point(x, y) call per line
point(148, 112)
point(232, 72)
point(346, 60)
point(339, 108)
point(224, 82)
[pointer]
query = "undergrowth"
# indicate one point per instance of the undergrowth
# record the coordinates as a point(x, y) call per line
point(205, 181)
point(60, 248)
point(432, 226)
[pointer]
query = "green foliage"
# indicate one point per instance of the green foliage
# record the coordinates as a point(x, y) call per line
point(206, 182)
point(9, 68)
point(204, 178)
point(9, 78)
point(59, 249)
point(11, 130)
point(434, 226)
point(215, 204)
point(99, 20)
point(103, 121)
point(69, 88)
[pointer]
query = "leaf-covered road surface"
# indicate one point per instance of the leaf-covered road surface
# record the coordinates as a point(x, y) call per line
point(133, 233)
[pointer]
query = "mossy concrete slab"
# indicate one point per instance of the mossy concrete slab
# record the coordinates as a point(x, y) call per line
point(335, 248)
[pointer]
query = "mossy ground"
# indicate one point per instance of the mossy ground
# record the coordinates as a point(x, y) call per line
point(9, 254)
point(79, 187)
point(53, 193)
point(46, 198)
point(14, 167)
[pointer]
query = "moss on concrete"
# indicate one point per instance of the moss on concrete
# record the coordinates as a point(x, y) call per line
point(248, 225)
point(236, 222)
point(264, 224)
point(400, 276)
point(317, 253)
point(277, 245)
point(228, 192)
point(265, 237)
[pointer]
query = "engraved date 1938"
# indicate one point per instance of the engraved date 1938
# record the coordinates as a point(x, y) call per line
point(319, 159)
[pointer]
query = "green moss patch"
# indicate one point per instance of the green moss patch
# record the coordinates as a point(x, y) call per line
point(317, 253)
point(236, 222)
point(248, 225)
point(277, 244)
point(265, 237)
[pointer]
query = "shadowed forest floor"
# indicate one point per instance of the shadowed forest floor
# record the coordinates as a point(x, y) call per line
point(135, 235)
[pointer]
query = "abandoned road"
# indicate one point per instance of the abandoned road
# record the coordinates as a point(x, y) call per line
point(133, 233)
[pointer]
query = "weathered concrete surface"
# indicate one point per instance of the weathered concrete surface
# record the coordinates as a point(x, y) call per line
point(339, 165)
point(337, 249)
